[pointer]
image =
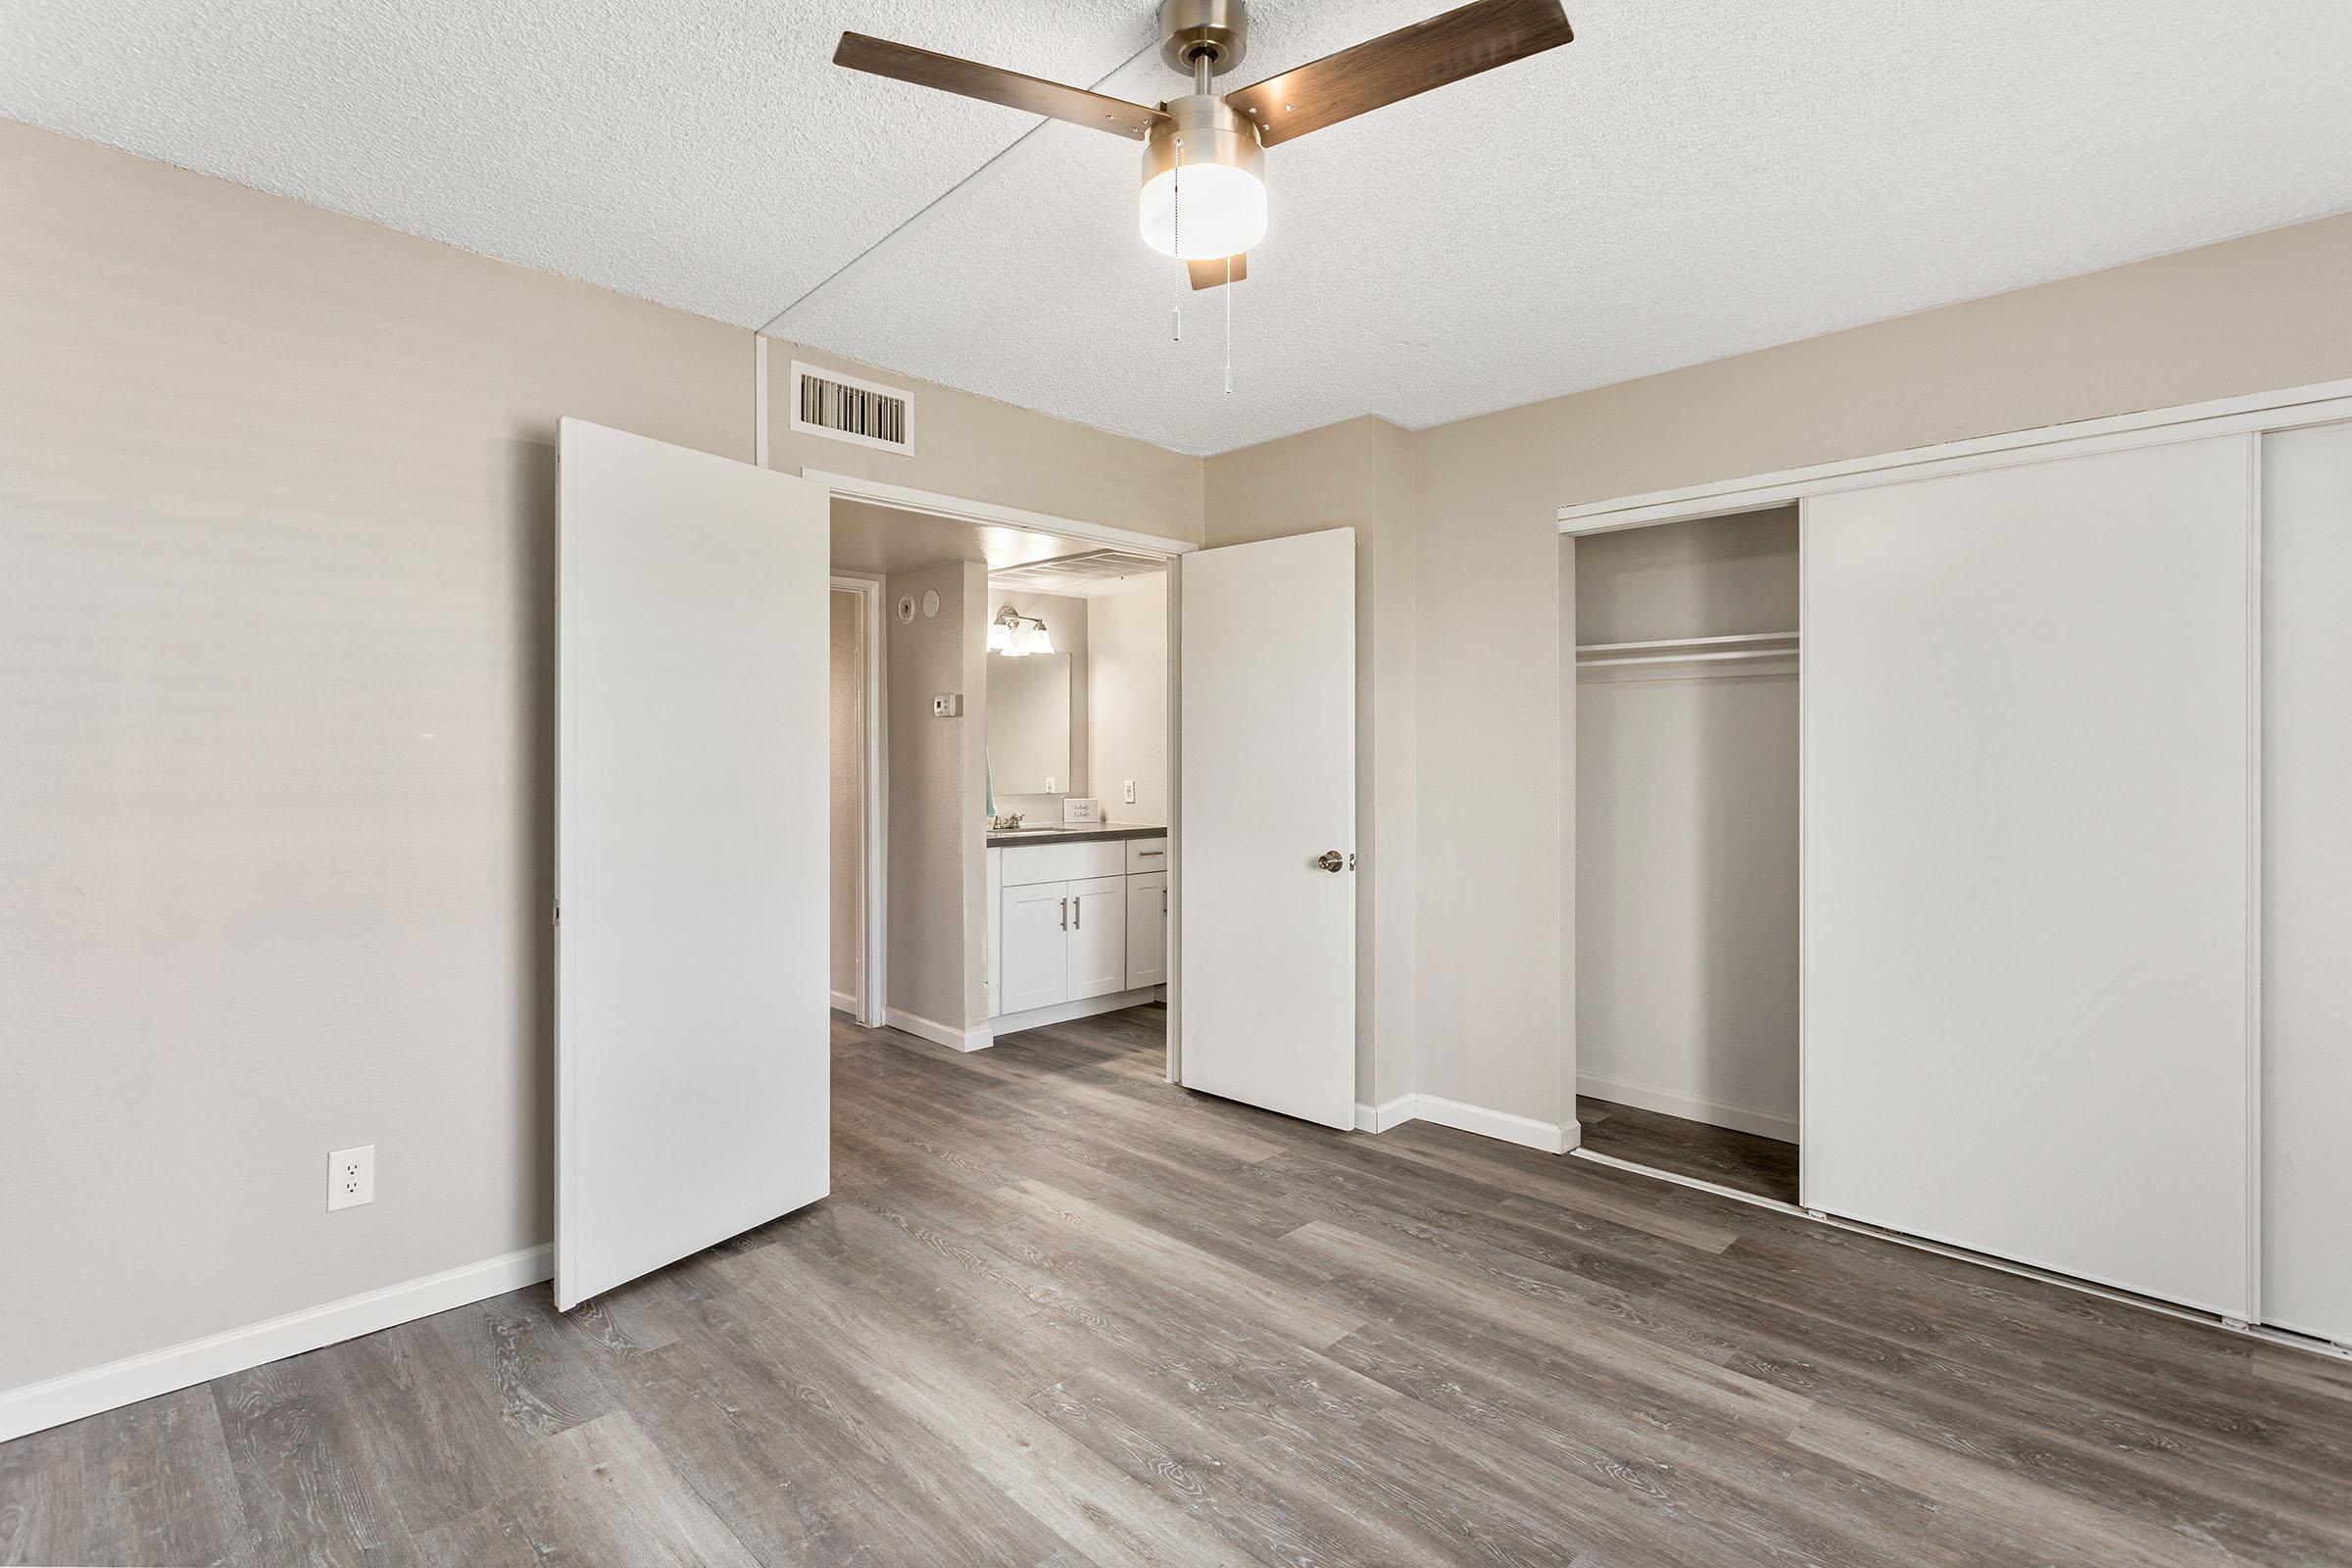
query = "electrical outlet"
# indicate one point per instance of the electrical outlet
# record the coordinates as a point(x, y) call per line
point(350, 1177)
point(1131, 791)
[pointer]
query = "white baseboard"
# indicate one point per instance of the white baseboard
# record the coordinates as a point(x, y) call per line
point(939, 1033)
point(1551, 1138)
point(1064, 1011)
point(1525, 1131)
point(843, 1002)
point(58, 1400)
point(1667, 1103)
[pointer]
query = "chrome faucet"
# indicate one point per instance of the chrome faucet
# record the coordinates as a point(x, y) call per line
point(1004, 824)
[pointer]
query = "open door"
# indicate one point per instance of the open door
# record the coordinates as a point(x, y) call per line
point(693, 926)
point(1267, 835)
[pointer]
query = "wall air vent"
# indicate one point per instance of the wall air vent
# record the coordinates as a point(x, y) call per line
point(842, 407)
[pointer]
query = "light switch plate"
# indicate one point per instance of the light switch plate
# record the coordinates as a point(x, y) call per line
point(1131, 791)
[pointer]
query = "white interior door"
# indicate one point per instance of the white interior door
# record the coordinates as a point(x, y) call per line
point(2028, 856)
point(1267, 981)
point(692, 1056)
point(2307, 881)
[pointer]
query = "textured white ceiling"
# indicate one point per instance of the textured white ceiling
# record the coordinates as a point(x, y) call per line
point(1690, 178)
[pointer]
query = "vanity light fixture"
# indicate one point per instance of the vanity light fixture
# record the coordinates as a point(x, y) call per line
point(1016, 636)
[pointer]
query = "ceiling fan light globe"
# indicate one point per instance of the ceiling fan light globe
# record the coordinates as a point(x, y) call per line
point(1201, 210)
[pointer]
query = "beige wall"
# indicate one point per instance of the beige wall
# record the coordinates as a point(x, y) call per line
point(276, 573)
point(2253, 314)
point(1357, 474)
point(978, 449)
point(1127, 698)
point(938, 858)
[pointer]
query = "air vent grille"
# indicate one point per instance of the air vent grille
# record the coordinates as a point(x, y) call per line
point(843, 408)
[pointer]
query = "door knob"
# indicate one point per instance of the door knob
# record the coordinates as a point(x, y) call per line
point(1330, 859)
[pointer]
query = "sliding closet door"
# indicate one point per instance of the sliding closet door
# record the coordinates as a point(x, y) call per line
point(2028, 853)
point(2307, 881)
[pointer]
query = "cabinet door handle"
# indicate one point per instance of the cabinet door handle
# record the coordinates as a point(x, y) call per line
point(1078, 915)
point(1066, 914)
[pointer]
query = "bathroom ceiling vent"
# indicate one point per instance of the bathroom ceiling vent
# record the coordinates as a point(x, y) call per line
point(842, 407)
point(1075, 574)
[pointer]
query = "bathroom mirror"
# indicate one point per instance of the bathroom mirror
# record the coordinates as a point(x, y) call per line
point(1029, 723)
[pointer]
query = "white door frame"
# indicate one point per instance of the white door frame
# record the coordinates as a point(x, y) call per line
point(989, 513)
point(873, 821)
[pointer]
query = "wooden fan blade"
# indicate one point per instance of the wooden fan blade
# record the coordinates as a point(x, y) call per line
point(1212, 273)
point(969, 77)
point(1397, 64)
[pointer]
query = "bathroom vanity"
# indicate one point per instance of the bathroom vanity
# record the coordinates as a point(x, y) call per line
point(1077, 921)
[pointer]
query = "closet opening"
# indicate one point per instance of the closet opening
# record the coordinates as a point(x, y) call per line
point(1684, 732)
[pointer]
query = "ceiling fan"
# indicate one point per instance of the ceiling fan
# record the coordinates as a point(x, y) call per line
point(1203, 198)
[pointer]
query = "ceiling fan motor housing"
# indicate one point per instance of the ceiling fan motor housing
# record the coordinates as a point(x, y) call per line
point(1204, 128)
point(1189, 28)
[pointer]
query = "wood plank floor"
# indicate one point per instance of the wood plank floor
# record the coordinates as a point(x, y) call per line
point(1057, 1312)
point(1765, 1166)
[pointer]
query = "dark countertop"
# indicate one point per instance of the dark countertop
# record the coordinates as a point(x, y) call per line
point(1074, 833)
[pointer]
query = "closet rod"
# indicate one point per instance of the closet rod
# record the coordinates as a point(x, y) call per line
point(1782, 639)
point(1742, 655)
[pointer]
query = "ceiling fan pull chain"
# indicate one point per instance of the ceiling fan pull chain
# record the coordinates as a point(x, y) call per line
point(1176, 209)
point(1229, 327)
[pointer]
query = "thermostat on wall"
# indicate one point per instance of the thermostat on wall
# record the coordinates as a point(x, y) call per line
point(947, 705)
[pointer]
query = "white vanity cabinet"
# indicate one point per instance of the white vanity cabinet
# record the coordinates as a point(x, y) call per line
point(1097, 936)
point(1036, 962)
point(1077, 932)
point(1148, 930)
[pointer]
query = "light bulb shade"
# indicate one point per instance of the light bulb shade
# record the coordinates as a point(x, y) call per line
point(1000, 637)
point(1041, 641)
point(1205, 181)
point(1202, 210)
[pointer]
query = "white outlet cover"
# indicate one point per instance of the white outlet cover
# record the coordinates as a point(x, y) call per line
point(350, 1177)
point(1131, 791)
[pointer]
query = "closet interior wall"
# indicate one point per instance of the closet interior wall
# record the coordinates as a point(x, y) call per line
point(1686, 827)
